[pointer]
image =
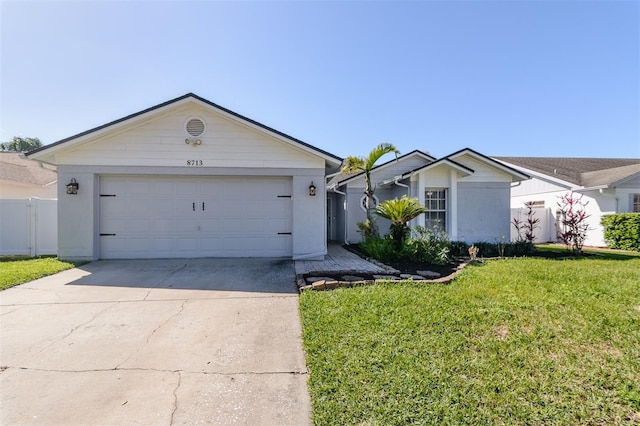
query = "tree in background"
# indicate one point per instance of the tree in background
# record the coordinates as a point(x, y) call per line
point(355, 164)
point(19, 144)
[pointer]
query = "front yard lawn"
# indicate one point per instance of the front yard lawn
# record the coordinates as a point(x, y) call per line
point(16, 270)
point(513, 341)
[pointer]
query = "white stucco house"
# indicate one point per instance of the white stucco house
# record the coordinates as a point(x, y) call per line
point(189, 178)
point(467, 195)
point(606, 185)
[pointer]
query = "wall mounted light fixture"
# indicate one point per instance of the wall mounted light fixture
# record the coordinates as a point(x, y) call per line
point(312, 189)
point(72, 187)
point(194, 142)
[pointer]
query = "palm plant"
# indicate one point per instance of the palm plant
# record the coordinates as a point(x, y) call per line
point(400, 211)
point(354, 164)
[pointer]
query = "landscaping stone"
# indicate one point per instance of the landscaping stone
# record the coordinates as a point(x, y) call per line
point(429, 274)
point(325, 285)
point(351, 278)
point(314, 279)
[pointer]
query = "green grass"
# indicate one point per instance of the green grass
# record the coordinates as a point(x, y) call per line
point(15, 270)
point(514, 341)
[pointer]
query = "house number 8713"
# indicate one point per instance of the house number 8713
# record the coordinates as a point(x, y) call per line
point(195, 163)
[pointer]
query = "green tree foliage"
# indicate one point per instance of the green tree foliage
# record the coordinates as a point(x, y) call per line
point(400, 211)
point(354, 164)
point(19, 144)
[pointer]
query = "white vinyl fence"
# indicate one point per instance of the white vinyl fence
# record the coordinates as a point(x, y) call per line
point(29, 227)
point(546, 230)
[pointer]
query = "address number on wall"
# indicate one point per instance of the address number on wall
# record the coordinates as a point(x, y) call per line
point(195, 163)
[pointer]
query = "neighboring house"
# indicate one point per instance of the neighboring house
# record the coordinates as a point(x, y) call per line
point(21, 178)
point(467, 195)
point(188, 178)
point(608, 185)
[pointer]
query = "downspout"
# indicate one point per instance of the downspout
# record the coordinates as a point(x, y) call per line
point(396, 179)
point(346, 211)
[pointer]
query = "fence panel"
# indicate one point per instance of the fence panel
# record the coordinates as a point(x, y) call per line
point(546, 230)
point(28, 227)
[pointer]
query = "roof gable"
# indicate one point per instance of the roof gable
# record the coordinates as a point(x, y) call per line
point(385, 171)
point(47, 153)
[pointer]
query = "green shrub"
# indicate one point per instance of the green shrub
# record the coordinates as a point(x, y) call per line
point(382, 249)
point(429, 245)
point(458, 248)
point(514, 249)
point(622, 231)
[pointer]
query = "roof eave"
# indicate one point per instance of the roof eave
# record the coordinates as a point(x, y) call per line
point(40, 153)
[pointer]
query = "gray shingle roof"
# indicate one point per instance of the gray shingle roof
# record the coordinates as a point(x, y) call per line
point(15, 167)
point(585, 172)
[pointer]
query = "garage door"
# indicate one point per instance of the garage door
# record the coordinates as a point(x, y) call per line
point(161, 217)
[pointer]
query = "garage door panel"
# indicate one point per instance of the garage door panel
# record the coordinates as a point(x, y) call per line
point(161, 216)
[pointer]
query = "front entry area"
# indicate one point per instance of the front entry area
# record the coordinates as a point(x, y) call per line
point(188, 217)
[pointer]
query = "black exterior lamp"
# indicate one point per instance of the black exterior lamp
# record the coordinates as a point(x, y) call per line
point(312, 189)
point(72, 187)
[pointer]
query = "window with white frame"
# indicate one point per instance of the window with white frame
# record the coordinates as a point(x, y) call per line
point(636, 203)
point(435, 200)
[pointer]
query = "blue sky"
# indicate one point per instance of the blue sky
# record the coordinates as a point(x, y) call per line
point(509, 78)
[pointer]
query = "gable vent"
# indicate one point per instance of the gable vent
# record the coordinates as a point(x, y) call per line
point(195, 127)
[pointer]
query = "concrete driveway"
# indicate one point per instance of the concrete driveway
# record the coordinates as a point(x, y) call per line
point(155, 342)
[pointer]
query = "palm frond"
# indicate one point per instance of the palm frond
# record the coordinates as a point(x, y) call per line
point(377, 152)
point(400, 210)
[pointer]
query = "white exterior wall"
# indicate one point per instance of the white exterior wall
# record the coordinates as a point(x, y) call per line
point(600, 202)
point(157, 147)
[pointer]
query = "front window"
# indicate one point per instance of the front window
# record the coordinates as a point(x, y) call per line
point(636, 203)
point(436, 204)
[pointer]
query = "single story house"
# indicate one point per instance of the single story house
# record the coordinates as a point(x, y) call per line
point(606, 185)
point(467, 195)
point(188, 178)
point(21, 178)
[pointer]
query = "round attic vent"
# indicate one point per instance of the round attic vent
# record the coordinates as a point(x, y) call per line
point(195, 127)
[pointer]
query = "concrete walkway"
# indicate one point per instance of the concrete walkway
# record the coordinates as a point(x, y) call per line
point(338, 259)
point(155, 342)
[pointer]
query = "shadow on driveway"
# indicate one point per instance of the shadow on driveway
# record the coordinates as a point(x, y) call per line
point(264, 275)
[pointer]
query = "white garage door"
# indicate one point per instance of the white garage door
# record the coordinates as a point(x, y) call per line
point(163, 216)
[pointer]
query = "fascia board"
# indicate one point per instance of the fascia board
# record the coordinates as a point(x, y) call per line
point(108, 129)
point(291, 141)
point(47, 152)
point(490, 162)
point(384, 165)
point(444, 161)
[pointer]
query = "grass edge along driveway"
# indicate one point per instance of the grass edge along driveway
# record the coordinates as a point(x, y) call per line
point(15, 270)
point(512, 341)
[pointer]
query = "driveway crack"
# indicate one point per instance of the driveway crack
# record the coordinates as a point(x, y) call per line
point(79, 325)
point(152, 333)
point(166, 277)
point(175, 397)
